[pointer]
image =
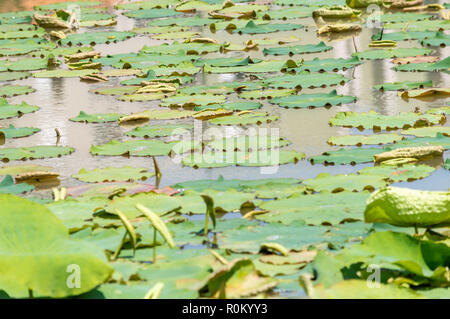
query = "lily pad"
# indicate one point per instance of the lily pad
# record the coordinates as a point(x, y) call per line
point(150, 131)
point(34, 152)
point(16, 132)
point(406, 172)
point(14, 90)
point(113, 174)
point(321, 65)
point(359, 140)
point(427, 131)
point(400, 86)
point(96, 118)
point(92, 38)
point(338, 183)
point(245, 119)
point(298, 49)
point(13, 76)
point(391, 53)
point(305, 80)
point(313, 100)
point(252, 28)
point(429, 67)
point(10, 110)
point(374, 120)
point(133, 148)
point(7, 186)
point(64, 73)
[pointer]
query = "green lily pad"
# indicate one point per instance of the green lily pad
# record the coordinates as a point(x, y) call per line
point(12, 76)
point(10, 110)
point(404, 17)
point(321, 65)
point(133, 148)
point(252, 28)
point(192, 100)
point(286, 13)
point(257, 158)
point(64, 73)
point(183, 48)
point(264, 66)
point(298, 49)
point(167, 114)
point(141, 5)
point(347, 156)
point(427, 131)
point(35, 221)
point(150, 131)
point(305, 80)
point(248, 142)
point(151, 13)
point(92, 38)
point(34, 152)
point(175, 35)
point(15, 132)
point(7, 186)
point(401, 86)
point(430, 67)
point(374, 120)
point(324, 208)
point(391, 53)
point(348, 140)
point(313, 100)
point(338, 183)
point(158, 203)
point(14, 90)
point(425, 25)
point(113, 174)
point(439, 39)
point(406, 172)
point(245, 119)
point(402, 36)
point(235, 106)
point(96, 118)
point(24, 47)
point(26, 64)
point(266, 94)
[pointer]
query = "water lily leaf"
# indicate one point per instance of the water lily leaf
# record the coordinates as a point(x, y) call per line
point(236, 280)
point(10, 110)
point(26, 64)
point(34, 152)
point(133, 148)
point(113, 174)
point(305, 80)
point(266, 94)
point(150, 131)
point(142, 97)
point(224, 201)
point(418, 93)
point(425, 25)
point(404, 17)
point(439, 39)
point(183, 48)
point(141, 5)
point(407, 207)
point(14, 90)
point(222, 88)
point(430, 67)
point(406, 172)
point(258, 158)
point(359, 140)
point(338, 183)
point(336, 12)
point(76, 214)
point(321, 65)
point(313, 100)
point(391, 53)
point(96, 118)
point(234, 106)
point(164, 114)
point(64, 73)
point(151, 13)
point(14, 48)
point(374, 120)
point(195, 21)
point(347, 156)
point(159, 203)
point(196, 5)
point(316, 3)
point(358, 289)
point(175, 35)
point(192, 100)
point(264, 66)
point(245, 119)
point(17, 171)
point(12, 76)
point(92, 38)
point(158, 29)
point(402, 36)
point(7, 186)
point(324, 208)
point(249, 238)
point(298, 49)
point(252, 28)
point(106, 189)
point(32, 220)
point(16, 132)
point(439, 110)
point(248, 142)
point(401, 86)
point(427, 131)
point(286, 13)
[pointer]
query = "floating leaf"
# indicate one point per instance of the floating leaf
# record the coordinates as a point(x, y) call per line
point(13, 90)
point(359, 140)
point(430, 67)
point(427, 131)
point(305, 80)
point(34, 152)
point(63, 73)
point(252, 28)
point(92, 38)
point(391, 53)
point(313, 100)
point(321, 65)
point(245, 119)
point(133, 148)
point(113, 174)
point(406, 172)
point(12, 76)
point(400, 86)
point(150, 131)
point(338, 183)
point(15, 132)
point(298, 49)
point(374, 120)
point(96, 118)
point(7, 186)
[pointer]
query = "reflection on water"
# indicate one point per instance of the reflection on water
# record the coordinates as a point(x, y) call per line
point(61, 99)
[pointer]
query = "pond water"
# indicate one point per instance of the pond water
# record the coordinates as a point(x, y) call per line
point(308, 129)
